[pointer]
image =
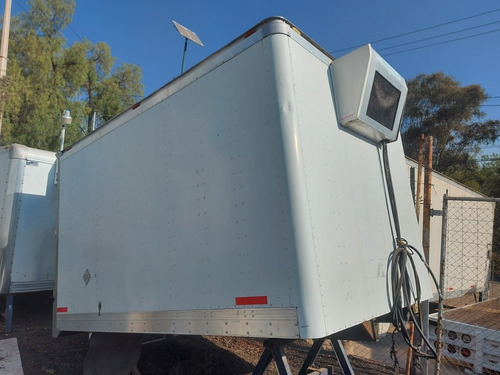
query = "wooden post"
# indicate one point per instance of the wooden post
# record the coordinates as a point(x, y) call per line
point(411, 331)
point(426, 219)
point(4, 47)
point(426, 224)
point(419, 175)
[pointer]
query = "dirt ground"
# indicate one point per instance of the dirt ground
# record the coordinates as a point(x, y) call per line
point(41, 354)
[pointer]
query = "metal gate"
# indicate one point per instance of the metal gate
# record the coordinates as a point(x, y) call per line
point(466, 328)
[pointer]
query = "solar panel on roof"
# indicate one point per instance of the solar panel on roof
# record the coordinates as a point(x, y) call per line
point(186, 33)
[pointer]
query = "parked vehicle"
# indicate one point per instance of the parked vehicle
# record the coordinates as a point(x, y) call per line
point(27, 222)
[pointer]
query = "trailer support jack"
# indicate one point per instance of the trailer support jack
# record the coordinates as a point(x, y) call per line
point(274, 350)
point(9, 309)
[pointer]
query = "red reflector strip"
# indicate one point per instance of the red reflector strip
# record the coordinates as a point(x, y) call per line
point(257, 300)
point(62, 309)
point(136, 105)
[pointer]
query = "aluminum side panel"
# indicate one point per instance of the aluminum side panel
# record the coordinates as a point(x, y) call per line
point(35, 248)
point(28, 220)
point(258, 322)
point(5, 213)
point(348, 211)
point(194, 213)
point(36, 285)
point(12, 177)
point(311, 314)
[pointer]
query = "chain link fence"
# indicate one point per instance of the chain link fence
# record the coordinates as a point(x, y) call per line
point(465, 327)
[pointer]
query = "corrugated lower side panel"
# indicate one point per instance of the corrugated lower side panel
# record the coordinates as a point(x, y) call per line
point(262, 322)
point(31, 286)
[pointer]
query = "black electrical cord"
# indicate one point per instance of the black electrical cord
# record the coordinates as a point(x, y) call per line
point(402, 262)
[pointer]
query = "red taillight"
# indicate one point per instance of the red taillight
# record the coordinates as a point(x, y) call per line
point(465, 352)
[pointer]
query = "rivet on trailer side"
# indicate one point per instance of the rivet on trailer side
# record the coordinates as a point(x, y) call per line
point(250, 196)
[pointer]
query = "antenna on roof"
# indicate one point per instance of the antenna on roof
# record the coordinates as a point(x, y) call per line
point(188, 34)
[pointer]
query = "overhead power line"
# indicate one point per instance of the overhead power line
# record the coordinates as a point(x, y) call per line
point(419, 30)
point(74, 32)
point(437, 36)
point(21, 6)
point(444, 42)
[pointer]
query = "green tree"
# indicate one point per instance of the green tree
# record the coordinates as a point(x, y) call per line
point(49, 17)
point(105, 88)
point(440, 106)
point(46, 78)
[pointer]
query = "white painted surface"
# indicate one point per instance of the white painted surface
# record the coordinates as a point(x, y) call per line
point(238, 183)
point(10, 359)
point(28, 218)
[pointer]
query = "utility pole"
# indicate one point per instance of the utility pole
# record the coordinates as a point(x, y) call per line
point(426, 220)
point(419, 175)
point(426, 225)
point(4, 49)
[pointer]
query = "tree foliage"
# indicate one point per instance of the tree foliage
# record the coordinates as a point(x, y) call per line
point(438, 105)
point(47, 77)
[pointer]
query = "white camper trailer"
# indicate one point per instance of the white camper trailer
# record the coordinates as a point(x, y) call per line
point(237, 201)
point(27, 222)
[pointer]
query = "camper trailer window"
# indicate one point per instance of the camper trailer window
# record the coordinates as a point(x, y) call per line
point(383, 102)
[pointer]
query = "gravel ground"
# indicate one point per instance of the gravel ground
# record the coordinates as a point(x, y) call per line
point(41, 354)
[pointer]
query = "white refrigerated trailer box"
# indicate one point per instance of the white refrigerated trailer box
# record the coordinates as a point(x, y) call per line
point(28, 220)
point(233, 202)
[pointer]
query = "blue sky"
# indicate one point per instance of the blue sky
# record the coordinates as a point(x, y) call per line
point(142, 33)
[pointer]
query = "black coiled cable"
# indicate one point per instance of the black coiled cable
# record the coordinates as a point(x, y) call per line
point(402, 268)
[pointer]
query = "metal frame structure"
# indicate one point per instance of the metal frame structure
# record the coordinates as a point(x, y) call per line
point(274, 351)
point(480, 337)
point(188, 35)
